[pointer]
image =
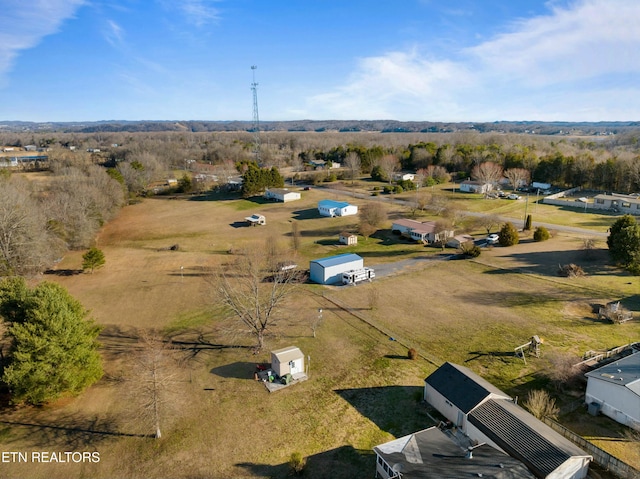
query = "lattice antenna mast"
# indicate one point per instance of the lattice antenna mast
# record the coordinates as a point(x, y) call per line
point(256, 117)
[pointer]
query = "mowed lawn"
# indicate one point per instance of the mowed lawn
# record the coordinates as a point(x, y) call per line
point(362, 390)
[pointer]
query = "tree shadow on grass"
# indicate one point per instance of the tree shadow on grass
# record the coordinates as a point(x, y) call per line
point(73, 431)
point(344, 462)
point(394, 409)
point(547, 262)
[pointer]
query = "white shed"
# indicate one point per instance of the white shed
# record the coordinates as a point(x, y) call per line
point(348, 238)
point(289, 360)
point(614, 390)
point(281, 194)
point(336, 208)
point(329, 270)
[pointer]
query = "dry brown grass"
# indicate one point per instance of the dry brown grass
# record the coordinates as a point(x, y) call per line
point(362, 389)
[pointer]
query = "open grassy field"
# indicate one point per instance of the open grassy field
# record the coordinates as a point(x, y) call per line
point(361, 392)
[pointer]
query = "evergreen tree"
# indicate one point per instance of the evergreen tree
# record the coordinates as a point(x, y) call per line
point(508, 235)
point(527, 223)
point(624, 243)
point(93, 259)
point(54, 348)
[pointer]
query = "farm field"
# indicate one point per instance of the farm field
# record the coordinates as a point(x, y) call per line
point(362, 390)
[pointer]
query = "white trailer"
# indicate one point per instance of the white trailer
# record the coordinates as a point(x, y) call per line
point(357, 275)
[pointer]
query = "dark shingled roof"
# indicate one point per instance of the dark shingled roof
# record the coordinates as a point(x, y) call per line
point(431, 453)
point(461, 386)
point(523, 436)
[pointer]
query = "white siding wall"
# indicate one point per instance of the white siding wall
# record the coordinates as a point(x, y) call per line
point(442, 405)
point(617, 402)
point(572, 468)
point(332, 274)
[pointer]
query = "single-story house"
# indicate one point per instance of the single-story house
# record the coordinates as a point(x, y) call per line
point(470, 186)
point(289, 360)
point(329, 270)
point(404, 176)
point(614, 390)
point(487, 415)
point(348, 238)
point(30, 148)
point(7, 162)
point(336, 208)
point(433, 453)
point(629, 204)
point(458, 240)
point(281, 194)
point(425, 231)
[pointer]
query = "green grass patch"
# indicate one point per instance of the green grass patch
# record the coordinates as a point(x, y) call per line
point(189, 320)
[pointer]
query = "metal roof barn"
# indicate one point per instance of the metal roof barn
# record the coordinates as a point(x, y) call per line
point(329, 270)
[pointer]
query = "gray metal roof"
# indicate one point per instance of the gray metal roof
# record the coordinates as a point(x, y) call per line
point(523, 436)
point(461, 386)
point(622, 372)
point(431, 453)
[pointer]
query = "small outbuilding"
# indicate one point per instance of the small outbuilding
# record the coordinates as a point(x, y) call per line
point(289, 360)
point(348, 238)
point(256, 219)
point(329, 270)
point(336, 208)
point(281, 194)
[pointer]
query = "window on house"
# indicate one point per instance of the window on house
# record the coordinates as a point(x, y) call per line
point(626, 205)
point(600, 201)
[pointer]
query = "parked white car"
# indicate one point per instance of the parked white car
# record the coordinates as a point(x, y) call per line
point(493, 238)
point(513, 196)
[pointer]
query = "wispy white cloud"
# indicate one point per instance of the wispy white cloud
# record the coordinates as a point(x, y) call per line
point(26, 23)
point(114, 34)
point(196, 12)
point(572, 63)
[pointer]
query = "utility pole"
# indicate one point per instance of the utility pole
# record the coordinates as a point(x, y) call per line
point(256, 117)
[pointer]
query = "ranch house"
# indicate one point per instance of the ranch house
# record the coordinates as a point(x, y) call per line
point(487, 415)
point(614, 390)
point(629, 204)
point(470, 186)
point(425, 232)
point(435, 454)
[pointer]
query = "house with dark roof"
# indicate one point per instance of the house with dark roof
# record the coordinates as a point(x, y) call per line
point(434, 454)
point(614, 389)
point(487, 415)
point(455, 391)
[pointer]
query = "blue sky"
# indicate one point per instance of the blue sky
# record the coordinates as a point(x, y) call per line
point(459, 60)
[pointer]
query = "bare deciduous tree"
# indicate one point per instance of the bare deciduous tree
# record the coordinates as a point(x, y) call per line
point(487, 172)
point(253, 294)
point(27, 244)
point(517, 176)
point(153, 382)
point(373, 213)
point(389, 164)
point(353, 163)
point(489, 222)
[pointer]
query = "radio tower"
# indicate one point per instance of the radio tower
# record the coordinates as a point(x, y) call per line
point(256, 118)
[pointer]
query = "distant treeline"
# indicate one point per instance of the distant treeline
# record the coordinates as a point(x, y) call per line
point(343, 126)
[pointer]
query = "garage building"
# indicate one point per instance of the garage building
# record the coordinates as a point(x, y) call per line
point(329, 270)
